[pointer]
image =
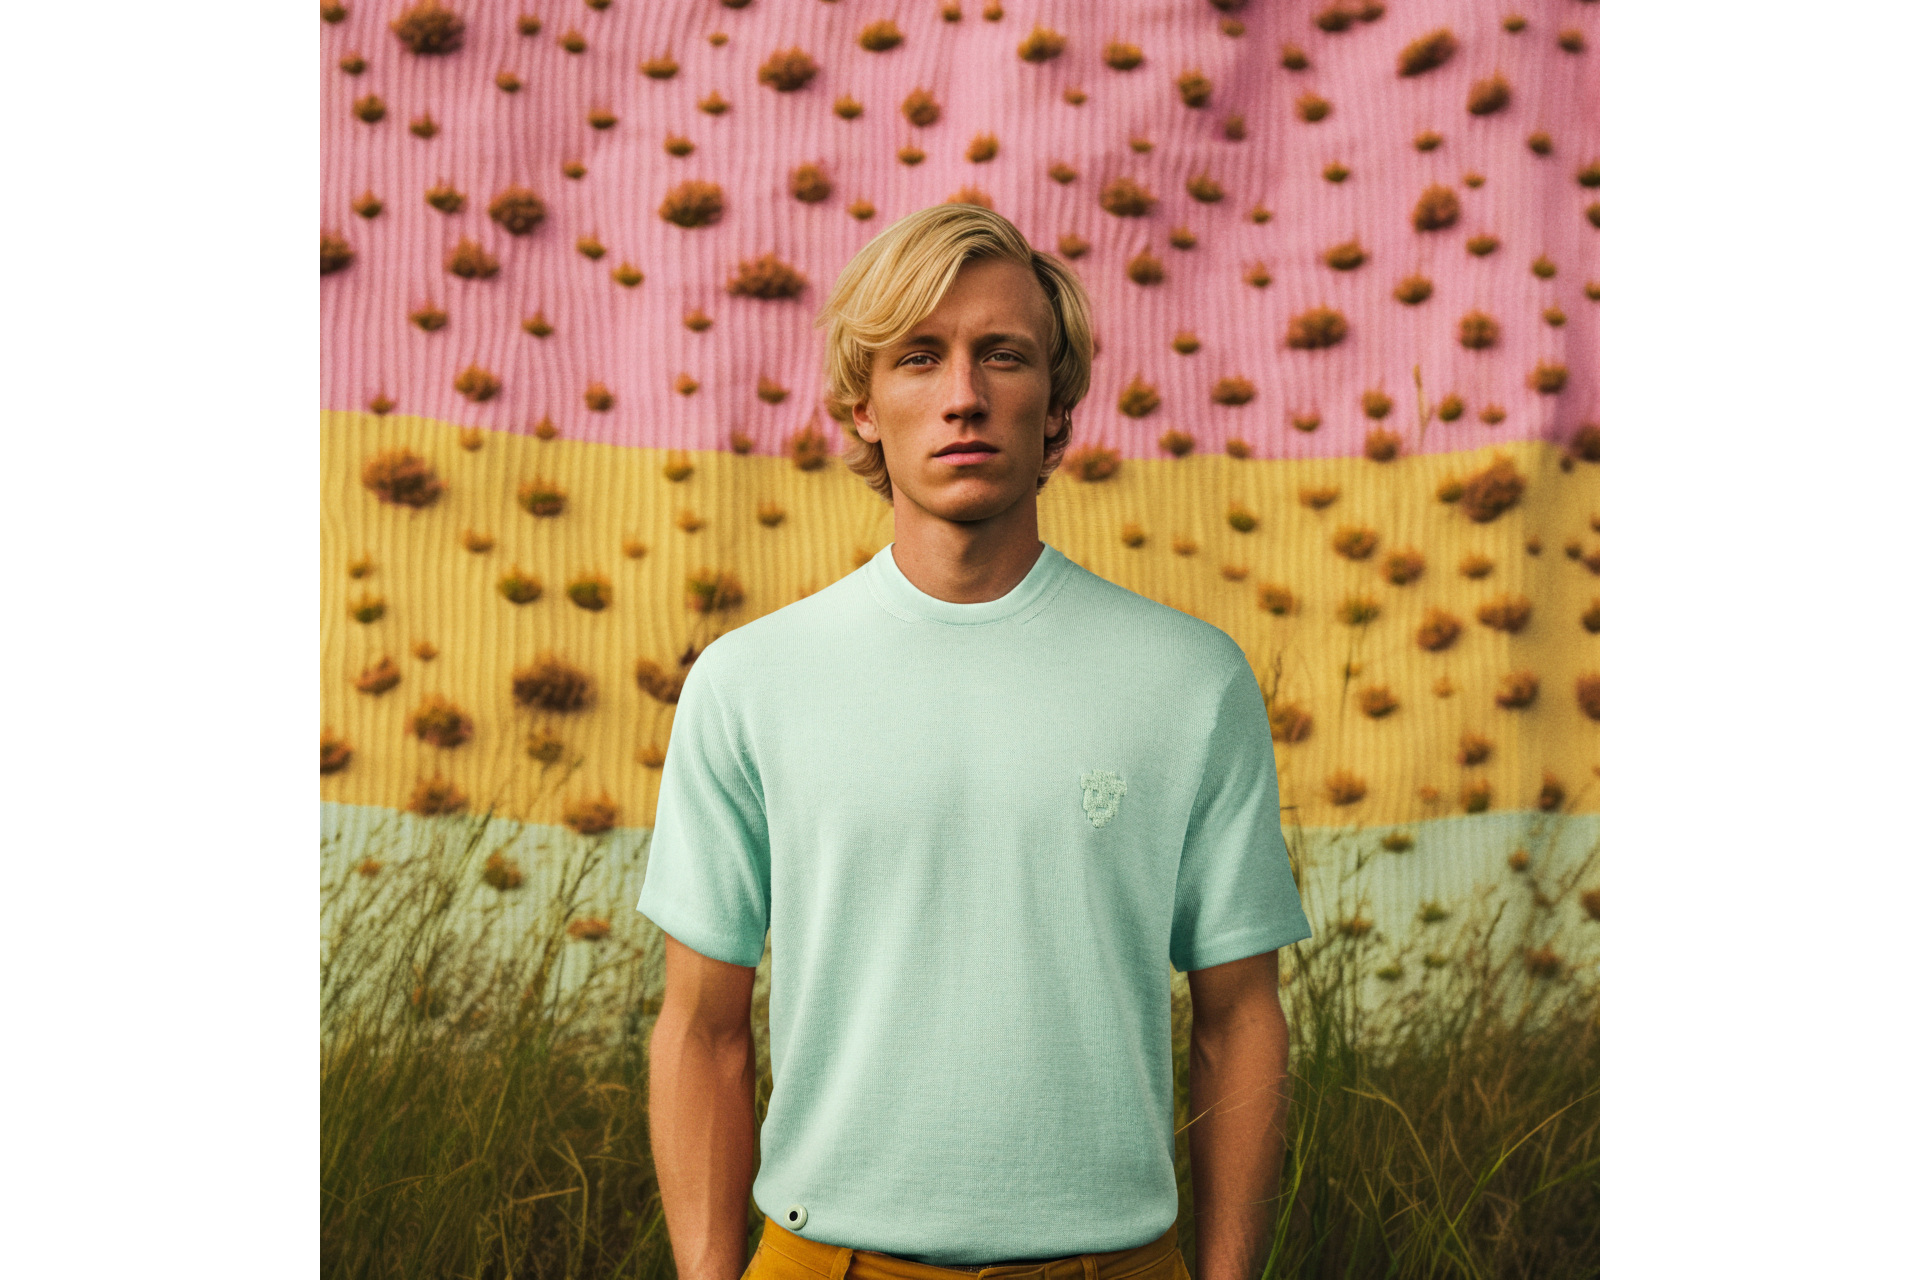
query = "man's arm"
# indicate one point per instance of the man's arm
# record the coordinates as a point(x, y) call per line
point(701, 1070)
point(1237, 1087)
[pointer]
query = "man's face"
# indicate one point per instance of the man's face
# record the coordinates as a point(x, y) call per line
point(974, 370)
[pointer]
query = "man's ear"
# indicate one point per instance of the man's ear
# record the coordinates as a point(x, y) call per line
point(1056, 420)
point(863, 423)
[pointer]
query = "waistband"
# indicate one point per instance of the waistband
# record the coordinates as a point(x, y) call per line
point(838, 1262)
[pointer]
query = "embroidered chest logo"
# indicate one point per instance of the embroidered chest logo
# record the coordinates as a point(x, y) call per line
point(1100, 792)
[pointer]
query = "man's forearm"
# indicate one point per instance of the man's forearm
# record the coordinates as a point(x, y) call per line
point(701, 1114)
point(1237, 1090)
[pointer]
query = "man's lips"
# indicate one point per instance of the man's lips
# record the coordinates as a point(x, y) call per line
point(967, 451)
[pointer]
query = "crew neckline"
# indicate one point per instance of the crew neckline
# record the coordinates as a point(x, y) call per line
point(895, 593)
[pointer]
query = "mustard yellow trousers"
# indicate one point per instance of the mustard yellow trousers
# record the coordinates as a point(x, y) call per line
point(782, 1255)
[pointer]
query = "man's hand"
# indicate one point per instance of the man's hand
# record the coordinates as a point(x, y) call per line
point(1237, 1090)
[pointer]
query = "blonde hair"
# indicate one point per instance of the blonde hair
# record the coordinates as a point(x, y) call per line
point(895, 282)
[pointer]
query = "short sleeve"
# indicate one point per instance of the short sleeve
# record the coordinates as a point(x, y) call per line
point(1235, 896)
point(708, 865)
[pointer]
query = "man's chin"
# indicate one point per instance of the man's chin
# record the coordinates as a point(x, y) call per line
point(967, 498)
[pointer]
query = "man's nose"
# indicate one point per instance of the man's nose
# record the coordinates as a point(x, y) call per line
point(965, 390)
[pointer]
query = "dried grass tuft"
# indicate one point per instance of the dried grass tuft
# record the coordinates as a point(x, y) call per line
point(1413, 290)
point(1508, 613)
point(919, 108)
point(428, 28)
point(1345, 787)
point(1377, 701)
point(1403, 566)
point(1041, 45)
point(518, 210)
point(1139, 398)
point(1429, 51)
point(1091, 463)
point(788, 70)
point(590, 818)
point(439, 723)
point(808, 448)
point(1125, 198)
point(1586, 691)
point(335, 752)
point(1354, 542)
point(1235, 390)
point(1437, 208)
point(1492, 491)
point(335, 253)
point(402, 478)
point(766, 277)
point(1144, 268)
point(446, 198)
point(1345, 256)
point(1517, 689)
point(1478, 331)
point(1437, 631)
point(1274, 599)
point(1548, 378)
point(1315, 329)
point(1195, 89)
point(477, 384)
point(878, 37)
point(808, 184)
point(709, 590)
point(1489, 95)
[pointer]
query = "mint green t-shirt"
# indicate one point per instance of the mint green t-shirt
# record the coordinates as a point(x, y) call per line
point(976, 834)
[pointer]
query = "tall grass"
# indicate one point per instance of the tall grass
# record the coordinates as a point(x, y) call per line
point(1445, 1120)
point(483, 1080)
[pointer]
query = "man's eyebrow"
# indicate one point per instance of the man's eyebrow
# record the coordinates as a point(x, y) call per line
point(932, 340)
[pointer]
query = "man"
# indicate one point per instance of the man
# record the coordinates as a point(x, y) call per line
point(980, 797)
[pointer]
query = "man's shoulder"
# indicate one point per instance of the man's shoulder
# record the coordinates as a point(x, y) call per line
point(1139, 621)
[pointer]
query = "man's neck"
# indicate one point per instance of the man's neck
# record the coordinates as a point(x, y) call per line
point(967, 563)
